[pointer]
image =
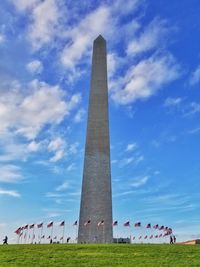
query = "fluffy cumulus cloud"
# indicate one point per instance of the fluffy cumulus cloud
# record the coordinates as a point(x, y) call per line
point(152, 36)
point(44, 20)
point(28, 113)
point(145, 78)
point(82, 36)
point(35, 66)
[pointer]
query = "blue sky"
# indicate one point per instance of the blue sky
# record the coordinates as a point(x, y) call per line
point(154, 77)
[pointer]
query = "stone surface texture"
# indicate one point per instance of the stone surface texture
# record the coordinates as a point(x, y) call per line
point(96, 197)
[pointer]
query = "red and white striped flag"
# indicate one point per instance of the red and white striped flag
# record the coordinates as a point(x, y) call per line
point(127, 224)
point(40, 225)
point(145, 237)
point(62, 223)
point(100, 223)
point(75, 223)
point(50, 225)
point(32, 226)
point(115, 223)
point(138, 224)
point(148, 225)
point(18, 231)
point(88, 222)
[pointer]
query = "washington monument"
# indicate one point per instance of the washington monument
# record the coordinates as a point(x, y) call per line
point(95, 221)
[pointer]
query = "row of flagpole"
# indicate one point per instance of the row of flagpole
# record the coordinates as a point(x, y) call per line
point(23, 232)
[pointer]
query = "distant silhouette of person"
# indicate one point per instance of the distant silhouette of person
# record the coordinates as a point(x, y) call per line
point(51, 241)
point(171, 239)
point(5, 240)
point(68, 239)
point(174, 239)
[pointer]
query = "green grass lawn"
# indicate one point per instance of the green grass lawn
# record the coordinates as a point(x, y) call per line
point(99, 255)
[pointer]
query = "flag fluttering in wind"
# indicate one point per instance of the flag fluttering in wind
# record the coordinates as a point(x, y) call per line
point(100, 223)
point(160, 235)
point(148, 225)
point(75, 223)
point(127, 224)
point(40, 225)
point(156, 236)
point(162, 227)
point(156, 226)
point(61, 238)
point(133, 237)
point(151, 237)
point(43, 237)
point(115, 223)
point(140, 237)
point(18, 231)
point(62, 223)
point(49, 237)
point(88, 222)
point(32, 226)
point(145, 237)
point(138, 224)
point(55, 237)
point(50, 225)
point(26, 227)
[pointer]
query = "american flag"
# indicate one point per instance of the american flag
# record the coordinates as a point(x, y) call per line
point(148, 225)
point(50, 224)
point(40, 225)
point(127, 224)
point(138, 224)
point(156, 226)
point(100, 223)
point(75, 223)
point(62, 223)
point(32, 226)
point(115, 223)
point(88, 222)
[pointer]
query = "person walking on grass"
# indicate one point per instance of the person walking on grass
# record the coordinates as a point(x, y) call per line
point(171, 239)
point(5, 240)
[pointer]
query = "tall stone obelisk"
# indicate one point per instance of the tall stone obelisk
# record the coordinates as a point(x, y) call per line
point(95, 221)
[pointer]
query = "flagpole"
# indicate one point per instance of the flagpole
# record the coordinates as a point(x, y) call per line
point(63, 233)
point(41, 234)
point(52, 232)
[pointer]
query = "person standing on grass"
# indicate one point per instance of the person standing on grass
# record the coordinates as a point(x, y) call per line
point(171, 239)
point(5, 240)
point(174, 239)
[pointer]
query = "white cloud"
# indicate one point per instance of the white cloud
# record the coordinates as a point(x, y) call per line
point(191, 109)
point(10, 193)
point(35, 66)
point(79, 115)
point(58, 155)
point(81, 36)
point(33, 146)
point(71, 167)
point(63, 186)
point(45, 23)
point(145, 79)
point(131, 147)
point(10, 174)
point(140, 181)
point(195, 77)
point(27, 112)
point(58, 146)
point(173, 102)
point(22, 5)
point(149, 38)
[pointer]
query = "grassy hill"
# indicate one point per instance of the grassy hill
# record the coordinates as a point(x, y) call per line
point(99, 255)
